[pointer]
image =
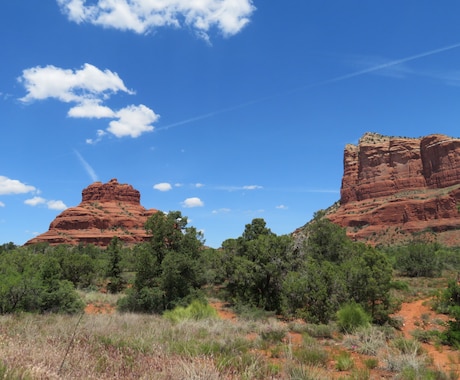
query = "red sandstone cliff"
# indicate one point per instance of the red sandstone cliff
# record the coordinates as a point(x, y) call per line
point(393, 187)
point(107, 210)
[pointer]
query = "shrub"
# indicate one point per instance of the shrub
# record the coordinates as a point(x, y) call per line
point(371, 363)
point(351, 316)
point(344, 362)
point(196, 310)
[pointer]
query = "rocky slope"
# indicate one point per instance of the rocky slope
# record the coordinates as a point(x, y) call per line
point(107, 210)
point(394, 187)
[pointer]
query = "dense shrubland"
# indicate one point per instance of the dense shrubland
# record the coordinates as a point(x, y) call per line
point(258, 270)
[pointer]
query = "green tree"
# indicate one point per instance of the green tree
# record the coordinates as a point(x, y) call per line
point(255, 266)
point(114, 270)
point(368, 276)
point(315, 292)
point(419, 259)
point(168, 271)
point(326, 240)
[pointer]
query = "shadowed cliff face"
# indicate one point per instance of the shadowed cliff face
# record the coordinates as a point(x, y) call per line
point(106, 210)
point(393, 187)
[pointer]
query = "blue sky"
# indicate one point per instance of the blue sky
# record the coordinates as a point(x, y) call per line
point(227, 110)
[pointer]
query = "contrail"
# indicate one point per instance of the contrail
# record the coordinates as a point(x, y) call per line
point(86, 166)
point(322, 83)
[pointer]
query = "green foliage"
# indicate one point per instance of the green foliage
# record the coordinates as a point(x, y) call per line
point(114, 270)
point(351, 316)
point(255, 265)
point(418, 259)
point(168, 271)
point(326, 241)
point(315, 292)
point(368, 277)
point(197, 310)
point(33, 282)
point(344, 361)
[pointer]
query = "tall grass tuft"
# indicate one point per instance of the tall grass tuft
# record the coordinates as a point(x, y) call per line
point(197, 310)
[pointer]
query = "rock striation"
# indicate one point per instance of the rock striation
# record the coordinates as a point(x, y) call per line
point(106, 210)
point(393, 187)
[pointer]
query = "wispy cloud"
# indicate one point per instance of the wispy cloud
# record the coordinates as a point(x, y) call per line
point(221, 211)
point(89, 170)
point(143, 16)
point(390, 67)
point(282, 207)
point(239, 188)
point(88, 88)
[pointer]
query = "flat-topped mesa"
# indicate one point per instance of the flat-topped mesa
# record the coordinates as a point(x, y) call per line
point(107, 210)
point(111, 191)
point(381, 165)
point(409, 184)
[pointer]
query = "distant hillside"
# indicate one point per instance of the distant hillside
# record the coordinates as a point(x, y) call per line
point(396, 187)
point(106, 210)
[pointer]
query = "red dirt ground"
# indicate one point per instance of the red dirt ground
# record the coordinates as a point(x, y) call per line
point(416, 315)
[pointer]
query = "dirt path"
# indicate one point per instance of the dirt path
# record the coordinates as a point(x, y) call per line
point(418, 315)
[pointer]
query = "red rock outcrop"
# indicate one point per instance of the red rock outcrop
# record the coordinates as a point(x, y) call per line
point(393, 187)
point(107, 210)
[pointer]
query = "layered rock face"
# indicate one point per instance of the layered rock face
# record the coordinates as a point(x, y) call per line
point(107, 210)
point(395, 186)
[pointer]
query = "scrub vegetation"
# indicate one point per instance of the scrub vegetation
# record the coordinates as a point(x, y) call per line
point(262, 306)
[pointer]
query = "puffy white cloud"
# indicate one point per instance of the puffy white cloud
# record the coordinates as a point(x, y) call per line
point(56, 205)
point(13, 186)
point(199, 185)
point(163, 186)
point(91, 109)
point(52, 204)
point(142, 16)
point(282, 207)
point(133, 121)
point(88, 83)
point(193, 202)
point(35, 201)
point(88, 88)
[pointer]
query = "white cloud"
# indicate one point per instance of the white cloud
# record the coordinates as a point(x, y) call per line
point(221, 211)
point(252, 187)
point(100, 134)
point(52, 204)
point(198, 185)
point(193, 202)
point(13, 186)
point(87, 84)
point(91, 109)
point(133, 121)
point(89, 170)
point(163, 186)
point(143, 16)
point(88, 88)
point(35, 201)
point(56, 205)
point(282, 207)
point(2, 204)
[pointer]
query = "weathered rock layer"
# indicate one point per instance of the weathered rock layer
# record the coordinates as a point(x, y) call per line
point(395, 186)
point(107, 210)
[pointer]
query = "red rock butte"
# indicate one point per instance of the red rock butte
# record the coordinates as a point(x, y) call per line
point(106, 210)
point(395, 187)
